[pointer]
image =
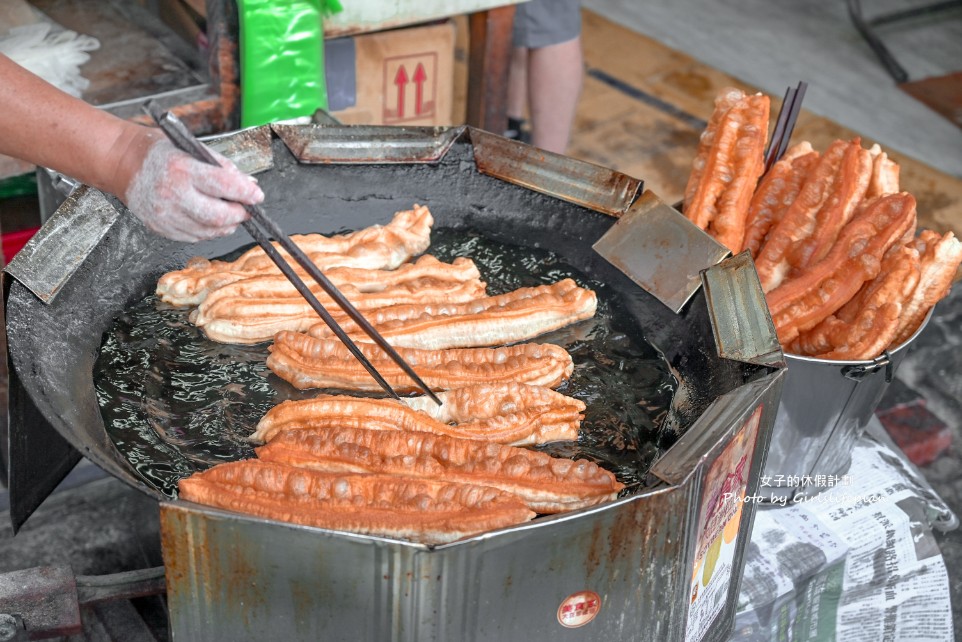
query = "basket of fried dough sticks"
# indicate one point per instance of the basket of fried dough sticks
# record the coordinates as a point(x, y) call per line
point(849, 279)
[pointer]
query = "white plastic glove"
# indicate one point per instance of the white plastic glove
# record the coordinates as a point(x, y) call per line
point(187, 200)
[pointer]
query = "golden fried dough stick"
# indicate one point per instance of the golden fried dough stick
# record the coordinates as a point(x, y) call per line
point(430, 512)
point(847, 192)
point(375, 247)
point(748, 164)
point(308, 362)
point(801, 303)
point(230, 316)
point(533, 418)
point(270, 282)
point(798, 223)
point(775, 194)
point(724, 101)
point(734, 164)
point(544, 483)
point(885, 174)
point(940, 259)
point(866, 325)
point(507, 318)
point(496, 400)
point(868, 339)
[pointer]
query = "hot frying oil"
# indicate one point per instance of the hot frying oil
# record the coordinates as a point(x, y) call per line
point(175, 402)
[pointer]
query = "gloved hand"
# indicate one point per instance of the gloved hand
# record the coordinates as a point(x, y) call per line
point(187, 200)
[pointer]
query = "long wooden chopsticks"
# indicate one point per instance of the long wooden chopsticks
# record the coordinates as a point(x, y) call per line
point(181, 137)
point(785, 124)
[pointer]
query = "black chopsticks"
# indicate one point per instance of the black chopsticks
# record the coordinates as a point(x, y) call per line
point(785, 124)
point(181, 137)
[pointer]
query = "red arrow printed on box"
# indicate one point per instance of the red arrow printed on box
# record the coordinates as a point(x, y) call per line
point(419, 77)
point(401, 80)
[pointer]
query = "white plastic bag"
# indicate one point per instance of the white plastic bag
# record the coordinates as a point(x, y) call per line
point(55, 56)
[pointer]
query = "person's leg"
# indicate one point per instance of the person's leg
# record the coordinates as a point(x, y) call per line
point(554, 86)
point(517, 91)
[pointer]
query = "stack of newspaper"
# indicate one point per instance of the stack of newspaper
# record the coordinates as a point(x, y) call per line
point(855, 562)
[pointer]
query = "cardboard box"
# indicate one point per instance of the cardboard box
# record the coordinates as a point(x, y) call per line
point(398, 77)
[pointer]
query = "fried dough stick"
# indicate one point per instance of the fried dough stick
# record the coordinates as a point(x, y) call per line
point(376, 247)
point(546, 484)
point(308, 362)
point(802, 303)
point(867, 324)
point(885, 174)
point(847, 192)
point(733, 165)
point(724, 101)
point(776, 192)
point(430, 512)
point(230, 316)
point(774, 261)
point(515, 414)
point(940, 259)
point(490, 321)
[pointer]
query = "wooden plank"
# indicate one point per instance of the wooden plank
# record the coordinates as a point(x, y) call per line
point(490, 54)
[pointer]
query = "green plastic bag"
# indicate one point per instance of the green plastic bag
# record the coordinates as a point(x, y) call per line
point(282, 58)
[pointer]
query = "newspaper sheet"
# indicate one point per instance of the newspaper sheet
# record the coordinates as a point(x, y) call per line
point(856, 562)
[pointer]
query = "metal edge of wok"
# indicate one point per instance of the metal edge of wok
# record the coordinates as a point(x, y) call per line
point(576, 181)
point(54, 253)
point(34, 456)
point(330, 143)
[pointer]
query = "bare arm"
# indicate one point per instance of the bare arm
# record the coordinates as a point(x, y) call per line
point(170, 192)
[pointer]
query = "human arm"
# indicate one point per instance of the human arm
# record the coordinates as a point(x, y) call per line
point(173, 194)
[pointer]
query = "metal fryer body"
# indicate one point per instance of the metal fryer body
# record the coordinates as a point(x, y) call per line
point(229, 574)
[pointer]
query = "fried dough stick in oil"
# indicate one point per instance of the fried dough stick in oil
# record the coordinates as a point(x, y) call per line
point(376, 247)
point(507, 413)
point(430, 512)
point(546, 484)
point(309, 362)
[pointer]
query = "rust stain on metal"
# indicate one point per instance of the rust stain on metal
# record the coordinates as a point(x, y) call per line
point(593, 558)
point(177, 545)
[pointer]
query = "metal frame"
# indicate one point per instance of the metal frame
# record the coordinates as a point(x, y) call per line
point(866, 27)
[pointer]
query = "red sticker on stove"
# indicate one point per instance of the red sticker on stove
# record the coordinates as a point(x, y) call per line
point(578, 609)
